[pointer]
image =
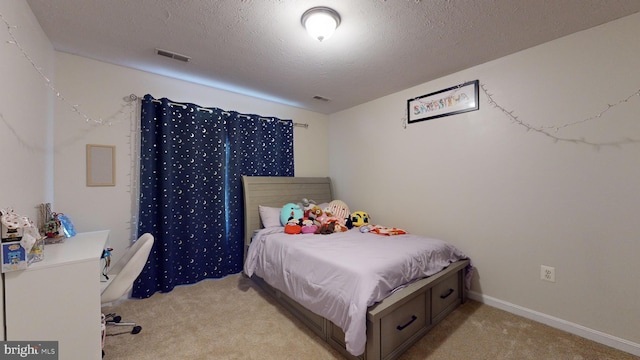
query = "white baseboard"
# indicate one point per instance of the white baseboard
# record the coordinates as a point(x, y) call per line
point(579, 330)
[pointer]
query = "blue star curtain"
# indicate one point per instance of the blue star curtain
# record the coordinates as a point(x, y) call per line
point(191, 163)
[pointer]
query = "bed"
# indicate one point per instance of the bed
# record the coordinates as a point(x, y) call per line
point(363, 319)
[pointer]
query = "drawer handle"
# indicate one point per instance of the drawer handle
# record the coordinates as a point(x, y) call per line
point(446, 295)
point(401, 327)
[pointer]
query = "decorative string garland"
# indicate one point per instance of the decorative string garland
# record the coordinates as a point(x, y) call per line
point(132, 100)
point(551, 130)
point(49, 84)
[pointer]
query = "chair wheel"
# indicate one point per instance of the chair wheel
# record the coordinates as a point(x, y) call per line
point(136, 329)
point(117, 319)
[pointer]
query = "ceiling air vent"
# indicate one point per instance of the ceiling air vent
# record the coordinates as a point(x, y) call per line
point(318, 97)
point(173, 55)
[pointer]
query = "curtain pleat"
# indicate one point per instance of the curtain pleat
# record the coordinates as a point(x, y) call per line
point(257, 147)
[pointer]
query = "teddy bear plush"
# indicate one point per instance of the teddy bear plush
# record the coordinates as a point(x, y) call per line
point(315, 215)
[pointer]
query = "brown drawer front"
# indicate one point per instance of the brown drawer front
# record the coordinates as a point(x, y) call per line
point(444, 294)
point(401, 324)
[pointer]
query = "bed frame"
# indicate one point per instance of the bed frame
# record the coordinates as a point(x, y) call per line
point(395, 323)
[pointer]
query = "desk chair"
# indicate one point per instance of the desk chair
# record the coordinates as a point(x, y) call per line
point(122, 275)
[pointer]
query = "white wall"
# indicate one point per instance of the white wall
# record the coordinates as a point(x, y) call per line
point(44, 139)
point(510, 198)
point(99, 88)
point(25, 122)
point(514, 199)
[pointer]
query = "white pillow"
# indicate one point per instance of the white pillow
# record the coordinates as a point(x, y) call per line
point(270, 216)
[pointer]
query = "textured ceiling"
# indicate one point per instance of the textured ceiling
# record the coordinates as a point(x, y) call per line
point(259, 48)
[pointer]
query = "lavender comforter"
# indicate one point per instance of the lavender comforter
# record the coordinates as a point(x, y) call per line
point(339, 276)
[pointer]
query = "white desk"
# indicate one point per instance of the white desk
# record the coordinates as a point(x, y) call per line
point(58, 299)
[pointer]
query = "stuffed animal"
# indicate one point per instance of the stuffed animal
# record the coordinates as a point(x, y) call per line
point(306, 206)
point(326, 228)
point(334, 218)
point(330, 226)
point(292, 227)
point(340, 210)
point(359, 218)
point(315, 215)
point(339, 227)
point(308, 227)
point(290, 211)
point(348, 223)
point(322, 215)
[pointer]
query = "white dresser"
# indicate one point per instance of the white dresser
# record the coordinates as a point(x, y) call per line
point(58, 299)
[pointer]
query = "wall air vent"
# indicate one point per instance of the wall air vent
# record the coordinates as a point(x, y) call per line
point(173, 55)
point(318, 97)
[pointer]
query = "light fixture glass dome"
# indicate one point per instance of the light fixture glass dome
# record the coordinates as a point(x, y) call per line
point(320, 22)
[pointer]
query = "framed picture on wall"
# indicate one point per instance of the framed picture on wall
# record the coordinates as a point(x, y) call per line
point(101, 165)
point(450, 101)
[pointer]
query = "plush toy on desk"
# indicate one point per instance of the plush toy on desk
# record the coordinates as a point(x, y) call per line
point(290, 211)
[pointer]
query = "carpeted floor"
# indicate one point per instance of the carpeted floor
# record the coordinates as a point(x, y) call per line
point(232, 318)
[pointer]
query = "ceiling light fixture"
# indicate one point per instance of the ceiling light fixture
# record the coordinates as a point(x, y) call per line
point(320, 22)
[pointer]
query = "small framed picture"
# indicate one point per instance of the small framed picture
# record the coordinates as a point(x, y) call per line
point(454, 100)
point(101, 165)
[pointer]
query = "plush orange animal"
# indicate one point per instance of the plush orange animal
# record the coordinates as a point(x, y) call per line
point(293, 227)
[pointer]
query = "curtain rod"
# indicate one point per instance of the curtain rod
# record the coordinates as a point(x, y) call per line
point(134, 97)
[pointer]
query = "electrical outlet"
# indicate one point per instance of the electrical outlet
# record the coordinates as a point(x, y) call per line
point(547, 273)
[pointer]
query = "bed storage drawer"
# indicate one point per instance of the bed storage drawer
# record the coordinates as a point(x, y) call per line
point(445, 295)
point(314, 321)
point(398, 329)
point(403, 323)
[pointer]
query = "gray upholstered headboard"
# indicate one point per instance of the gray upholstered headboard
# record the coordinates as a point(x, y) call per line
point(277, 191)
